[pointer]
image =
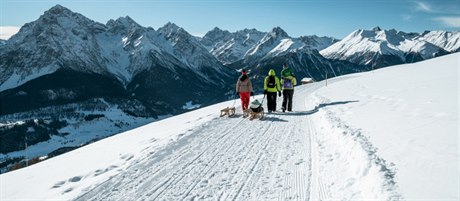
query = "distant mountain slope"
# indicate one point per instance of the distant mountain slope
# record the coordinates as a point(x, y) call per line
point(252, 44)
point(450, 41)
point(381, 48)
point(62, 41)
point(230, 47)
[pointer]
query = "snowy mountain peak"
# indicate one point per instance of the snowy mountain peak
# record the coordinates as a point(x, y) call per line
point(380, 47)
point(215, 37)
point(58, 10)
point(278, 32)
point(216, 34)
point(63, 17)
point(449, 40)
point(317, 42)
point(170, 27)
point(123, 21)
point(251, 31)
point(171, 30)
point(217, 30)
point(377, 28)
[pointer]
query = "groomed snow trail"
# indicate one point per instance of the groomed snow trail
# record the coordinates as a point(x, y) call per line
point(224, 159)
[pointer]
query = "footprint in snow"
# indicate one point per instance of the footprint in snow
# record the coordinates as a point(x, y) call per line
point(127, 157)
point(75, 179)
point(299, 162)
point(59, 184)
point(67, 190)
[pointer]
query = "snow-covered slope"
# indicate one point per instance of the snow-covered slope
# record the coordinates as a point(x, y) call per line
point(250, 44)
point(49, 43)
point(362, 137)
point(230, 47)
point(317, 43)
point(380, 48)
point(406, 117)
point(274, 42)
point(215, 38)
point(450, 41)
point(277, 43)
point(190, 51)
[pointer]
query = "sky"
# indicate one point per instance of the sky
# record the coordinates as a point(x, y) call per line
point(336, 18)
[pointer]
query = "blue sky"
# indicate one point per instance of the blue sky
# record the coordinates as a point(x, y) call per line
point(335, 18)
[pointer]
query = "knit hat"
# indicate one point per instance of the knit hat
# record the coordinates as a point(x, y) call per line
point(243, 72)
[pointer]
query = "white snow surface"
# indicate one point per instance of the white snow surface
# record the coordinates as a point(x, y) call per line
point(17, 79)
point(385, 135)
point(409, 114)
point(190, 106)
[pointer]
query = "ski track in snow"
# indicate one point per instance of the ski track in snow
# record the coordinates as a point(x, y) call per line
point(225, 159)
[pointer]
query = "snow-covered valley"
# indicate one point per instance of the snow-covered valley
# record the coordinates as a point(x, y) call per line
point(390, 134)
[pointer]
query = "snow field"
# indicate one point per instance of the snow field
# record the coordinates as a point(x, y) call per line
point(65, 177)
point(347, 163)
point(405, 118)
point(226, 158)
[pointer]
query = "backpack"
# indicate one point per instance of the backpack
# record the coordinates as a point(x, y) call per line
point(287, 84)
point(286, 72)
point(271, 82)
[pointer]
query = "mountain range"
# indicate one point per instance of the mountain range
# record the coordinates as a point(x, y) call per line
point(380, 48)
point(69, 69)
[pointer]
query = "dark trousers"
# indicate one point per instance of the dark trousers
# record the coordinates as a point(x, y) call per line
point(271, 101)
point(287, 99)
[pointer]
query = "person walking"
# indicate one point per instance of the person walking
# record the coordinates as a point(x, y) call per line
point(244, 89)
point(288, 82)
point(271, 86)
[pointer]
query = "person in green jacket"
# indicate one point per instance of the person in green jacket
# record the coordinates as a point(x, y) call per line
point(271, 86)
point(288, 82)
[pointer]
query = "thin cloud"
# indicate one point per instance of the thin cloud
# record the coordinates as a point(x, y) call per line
point(425, 7)
point(441, 7)
point(453, 22)
point(7, 31)
point(407, 17)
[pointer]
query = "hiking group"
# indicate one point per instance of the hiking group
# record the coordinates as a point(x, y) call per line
point(272, 86)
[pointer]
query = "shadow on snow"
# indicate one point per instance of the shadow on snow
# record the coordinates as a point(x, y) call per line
point(316, 109)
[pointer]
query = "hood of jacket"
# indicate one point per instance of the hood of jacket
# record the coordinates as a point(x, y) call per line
point(243, 77)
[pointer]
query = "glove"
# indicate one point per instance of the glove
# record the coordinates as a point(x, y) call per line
point(265, 91)
point(279, 93)
point(252, 93)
